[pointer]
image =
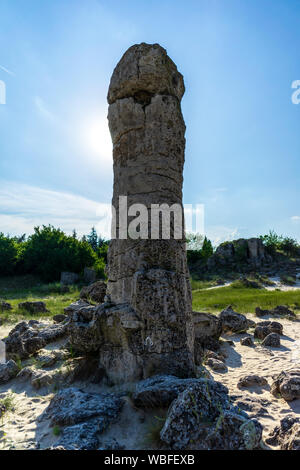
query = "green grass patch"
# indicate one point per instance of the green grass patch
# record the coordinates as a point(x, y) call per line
point(244, 300)
point(15, 290)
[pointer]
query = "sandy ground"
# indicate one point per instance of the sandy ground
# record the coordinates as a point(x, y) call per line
point(24, 427)
point(265, 362)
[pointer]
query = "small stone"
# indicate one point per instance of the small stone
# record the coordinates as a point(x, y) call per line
point(68, 278)
point(232, 321)
point(247, 341)
point(95, 292)
point(8, 371)
point(33, 307)
point(4, 306)
point(272, 340)
point(252, 381)
point(216, 365)
point(287, 434)
point(287, 385)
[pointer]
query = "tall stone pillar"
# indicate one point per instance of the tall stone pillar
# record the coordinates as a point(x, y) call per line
point(148, 279)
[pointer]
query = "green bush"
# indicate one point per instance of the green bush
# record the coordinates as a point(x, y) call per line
point(8, 255)
point(49, 251)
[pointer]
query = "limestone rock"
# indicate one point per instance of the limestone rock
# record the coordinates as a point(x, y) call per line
point(81, 436)
point(207, 329)
point(287, 434)
point(68, 278)
point(279, 311)
point(5, 306)
point(272, 340)
point(86, 416)
point(159, 391)
point(33, 307)
point(232, 321)
point(83, 329)
point(252, 381)
point(8, 371)
point(95, 292)
point(287, 385)
point(247, 341)
point(202, 418)
point(264, 328)
point(216, 364)
point(89, 275)
point(148, 326)
point(28, 338)
point(75, 306)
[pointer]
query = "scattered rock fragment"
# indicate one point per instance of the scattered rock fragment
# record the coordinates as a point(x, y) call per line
point(33, 307)
point(29, 337)
point(287, 385)
point(247, 341)
point(95, 292)
point(264, 328)
point(216, 364)
point(272, 340)
point(232, 321)
point(5, 306)
point(207, 329)
point(252, 381)
point(85, 415)
point(8, 371)
point(159, 391)
point(202, 417)
point(287, 434)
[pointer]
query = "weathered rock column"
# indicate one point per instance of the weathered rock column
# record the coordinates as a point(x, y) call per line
point(148, 280)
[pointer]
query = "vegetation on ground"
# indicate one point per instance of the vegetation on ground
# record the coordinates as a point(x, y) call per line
point(243, 300)
point(28, 288)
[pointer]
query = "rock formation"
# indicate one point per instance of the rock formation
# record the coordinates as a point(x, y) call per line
point(145, 327)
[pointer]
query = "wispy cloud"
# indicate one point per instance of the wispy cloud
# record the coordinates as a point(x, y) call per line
point(295, 218)
point(42, 108)
point(7, 70)
point(22, 207)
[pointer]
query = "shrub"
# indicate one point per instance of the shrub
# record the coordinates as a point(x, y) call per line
point(8, 255)
point(49, 251)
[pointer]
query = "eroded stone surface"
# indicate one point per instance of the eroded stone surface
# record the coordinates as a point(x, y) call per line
point(147, 328)
point(232, 321)
point(202, 418)
point(8, 371)
point(27, 338)
point(287, 385)
point(287, 434)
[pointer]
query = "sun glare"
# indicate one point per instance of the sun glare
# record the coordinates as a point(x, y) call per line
point(96, 139)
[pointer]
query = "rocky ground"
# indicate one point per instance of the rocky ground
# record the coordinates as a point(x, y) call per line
point(51, 398)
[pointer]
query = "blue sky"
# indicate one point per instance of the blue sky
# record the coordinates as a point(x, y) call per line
point(239, 59)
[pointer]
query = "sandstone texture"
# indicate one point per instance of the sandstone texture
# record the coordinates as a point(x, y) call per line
point(287, 434)
point(145, 326)
point(287, 385)
point(94, 292)
point(232, 321)
point(202, 417)
point(84, 416)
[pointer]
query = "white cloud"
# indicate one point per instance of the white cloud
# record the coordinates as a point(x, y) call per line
point(22, 207)
point(295, 218)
